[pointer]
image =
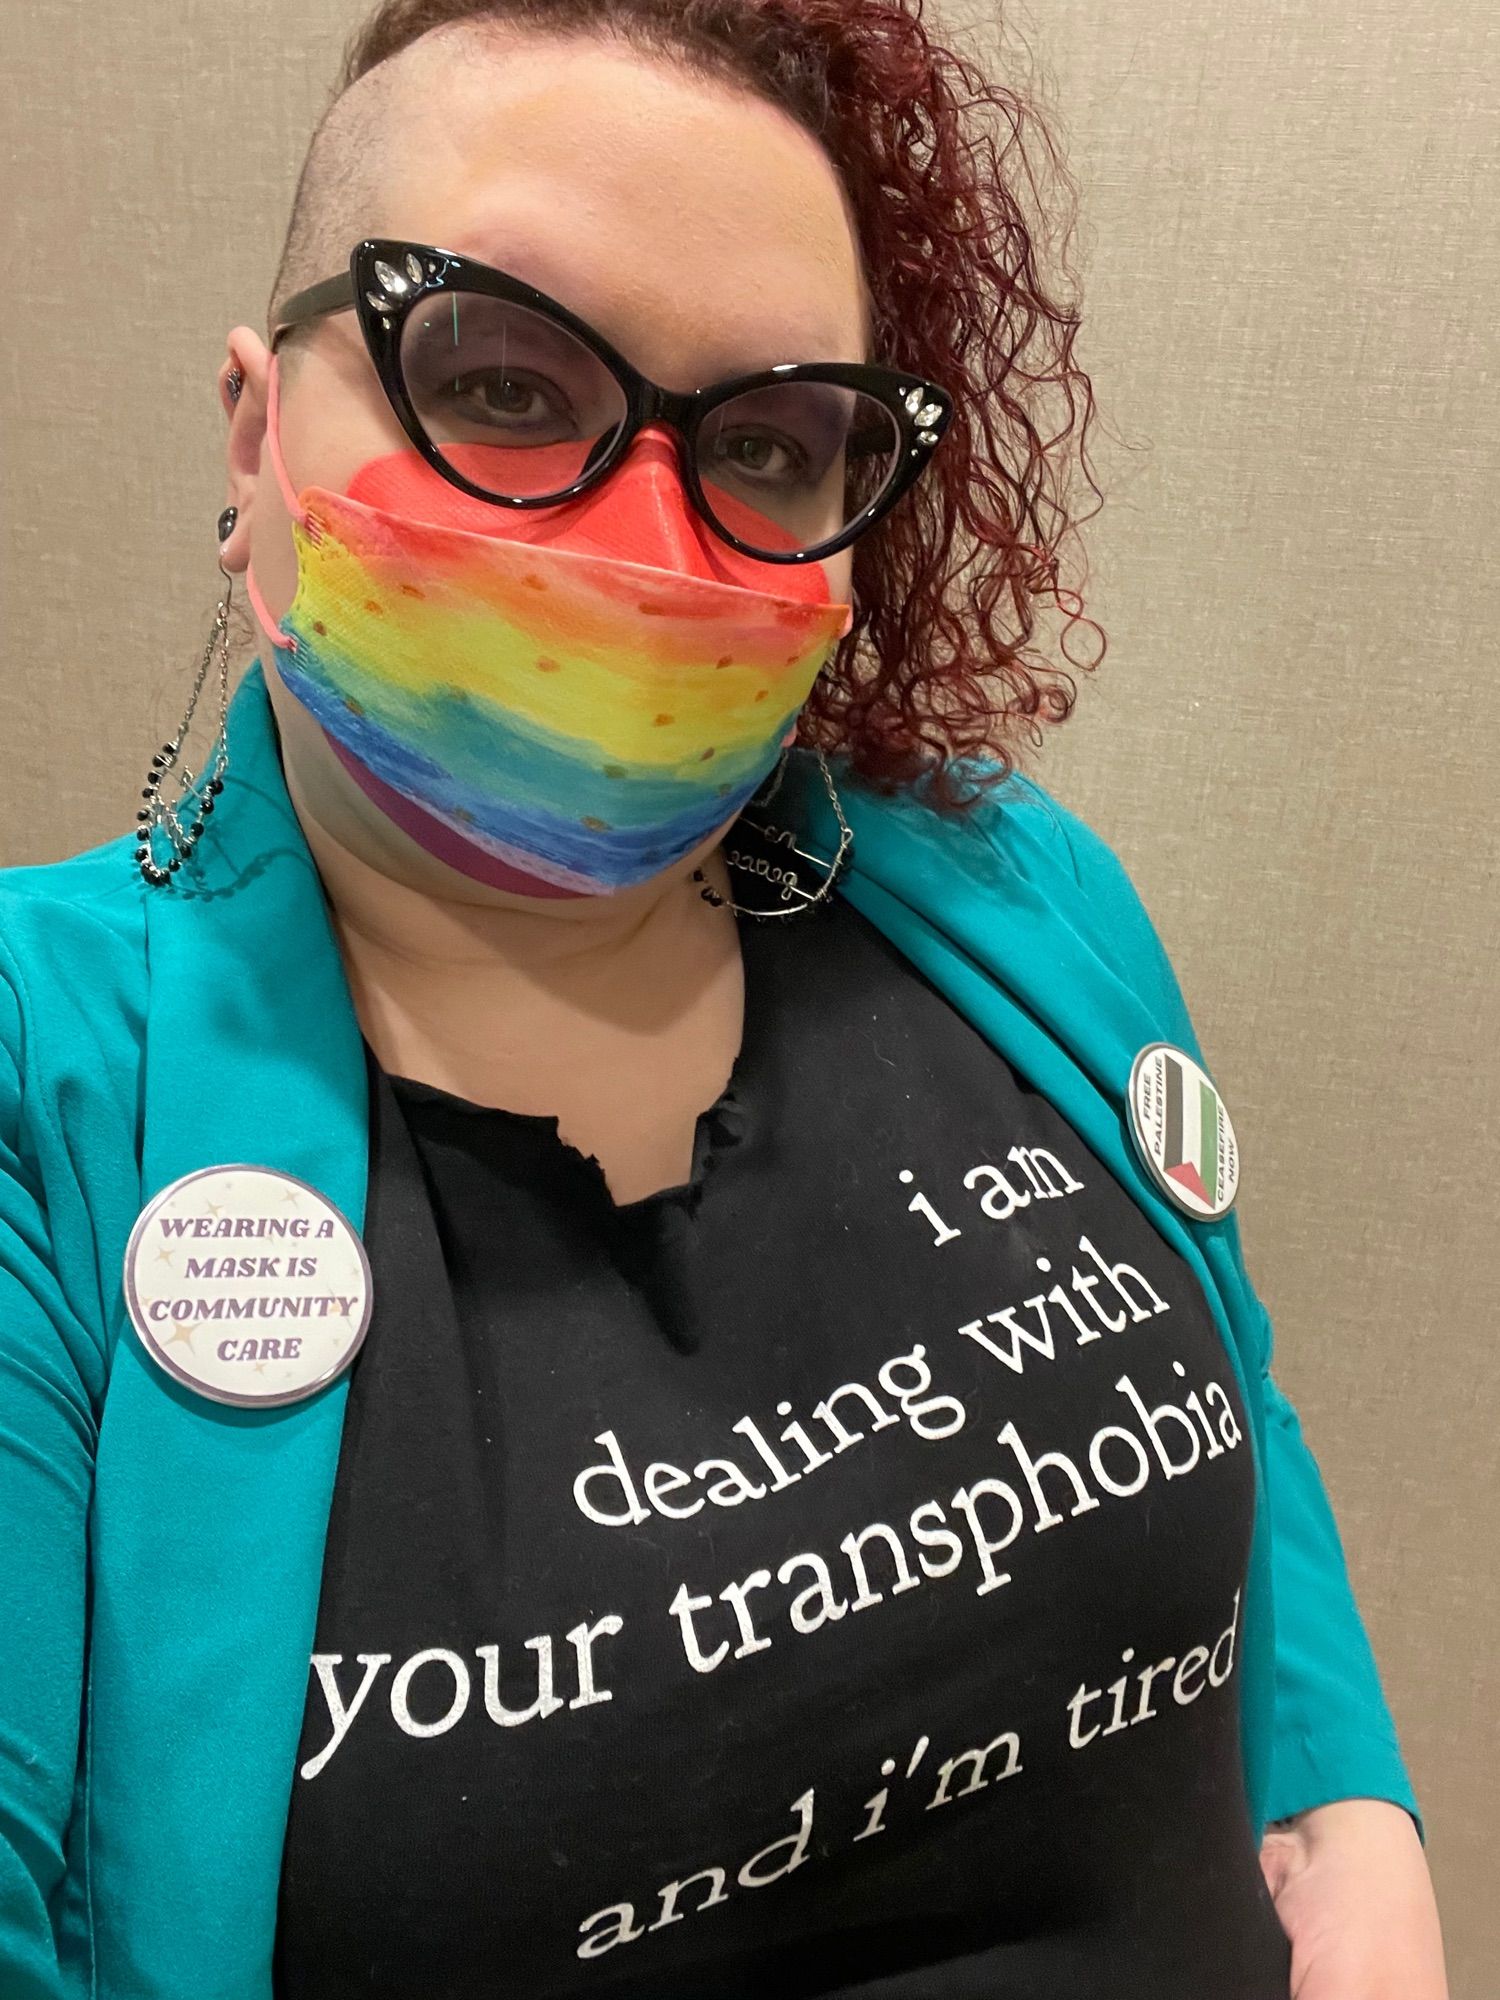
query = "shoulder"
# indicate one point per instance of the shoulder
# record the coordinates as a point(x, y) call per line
point(1103, 878)
point(1015, 819)
point(1029, 825)
point(104, 875)
point(1108, 905)
point(1018, 847)
point(72, 941)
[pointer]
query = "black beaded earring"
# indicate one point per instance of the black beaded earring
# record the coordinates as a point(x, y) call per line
point(198, 793)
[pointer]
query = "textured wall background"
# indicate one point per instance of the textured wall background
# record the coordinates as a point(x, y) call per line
point(1289, 238)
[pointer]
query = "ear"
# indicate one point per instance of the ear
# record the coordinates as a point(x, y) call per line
point(247, 355)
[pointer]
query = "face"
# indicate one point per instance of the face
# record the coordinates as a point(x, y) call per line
point(700, 230)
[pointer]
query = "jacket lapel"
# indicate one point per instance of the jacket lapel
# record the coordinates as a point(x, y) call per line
point(209, 1520)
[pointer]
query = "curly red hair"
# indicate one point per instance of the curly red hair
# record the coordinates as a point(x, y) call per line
point(937, 669)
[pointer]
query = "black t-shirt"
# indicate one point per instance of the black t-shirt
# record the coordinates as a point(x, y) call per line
point(823, 1578)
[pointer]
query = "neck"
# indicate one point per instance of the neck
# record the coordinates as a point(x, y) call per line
point(460, 983)
point(578, 945)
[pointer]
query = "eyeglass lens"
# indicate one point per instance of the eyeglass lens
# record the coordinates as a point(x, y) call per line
point(522, 408)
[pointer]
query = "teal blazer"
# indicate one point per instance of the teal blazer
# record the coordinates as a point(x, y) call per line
point(160, 1554)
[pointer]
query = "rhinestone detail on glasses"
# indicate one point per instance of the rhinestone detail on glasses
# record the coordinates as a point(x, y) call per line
point(921, 411)
point(396, 283)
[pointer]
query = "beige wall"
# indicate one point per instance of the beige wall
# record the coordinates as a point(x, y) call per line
point(1289, 234)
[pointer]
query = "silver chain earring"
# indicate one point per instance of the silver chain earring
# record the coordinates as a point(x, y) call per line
point(183, 832)
point(774, 869)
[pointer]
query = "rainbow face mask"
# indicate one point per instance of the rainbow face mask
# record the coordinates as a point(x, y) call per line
point(562, 701)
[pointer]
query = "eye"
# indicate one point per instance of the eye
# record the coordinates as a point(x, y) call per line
point(761, 456)
point(506, 398)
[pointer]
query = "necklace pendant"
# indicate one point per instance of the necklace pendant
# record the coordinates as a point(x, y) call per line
point(770, 874)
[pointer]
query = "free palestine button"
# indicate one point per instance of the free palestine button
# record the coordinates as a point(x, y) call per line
point(1182, 1132)
point(247, 1285)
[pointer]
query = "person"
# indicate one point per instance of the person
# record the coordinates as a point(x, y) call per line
point(598, 1390)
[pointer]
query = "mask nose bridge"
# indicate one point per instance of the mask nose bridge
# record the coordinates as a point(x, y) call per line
point(651, 507)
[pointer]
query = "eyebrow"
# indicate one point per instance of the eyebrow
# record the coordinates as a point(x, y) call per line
point(789, 348)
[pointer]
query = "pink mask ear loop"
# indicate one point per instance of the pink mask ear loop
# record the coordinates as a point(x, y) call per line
point(273, 441)
point(293, 507)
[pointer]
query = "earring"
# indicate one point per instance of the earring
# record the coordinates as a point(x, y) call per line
point(770, 862)
point(234, 381)
point(204, 790)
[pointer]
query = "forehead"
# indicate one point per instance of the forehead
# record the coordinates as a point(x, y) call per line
point(698, 227)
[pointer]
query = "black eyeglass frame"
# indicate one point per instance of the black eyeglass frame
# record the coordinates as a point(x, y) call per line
point(388, 276)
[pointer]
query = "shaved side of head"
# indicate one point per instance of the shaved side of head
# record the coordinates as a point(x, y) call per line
point(371, 133)
point(361, 142)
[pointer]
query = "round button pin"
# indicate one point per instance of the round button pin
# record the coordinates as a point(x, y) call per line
point(247, 1285)
point(1182, 1132)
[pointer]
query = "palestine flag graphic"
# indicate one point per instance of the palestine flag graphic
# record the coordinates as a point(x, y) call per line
point(1182, 1131)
